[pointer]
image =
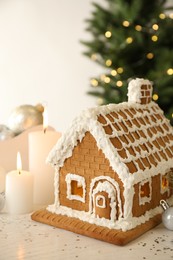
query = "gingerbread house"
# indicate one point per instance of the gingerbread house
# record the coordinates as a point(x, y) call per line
point(112, 169)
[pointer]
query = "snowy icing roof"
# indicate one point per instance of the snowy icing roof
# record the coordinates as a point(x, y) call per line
point(135, 138)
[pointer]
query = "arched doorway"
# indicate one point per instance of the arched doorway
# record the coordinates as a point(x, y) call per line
point(105, 201)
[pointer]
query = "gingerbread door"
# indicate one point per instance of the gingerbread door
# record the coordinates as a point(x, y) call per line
point(104, 200)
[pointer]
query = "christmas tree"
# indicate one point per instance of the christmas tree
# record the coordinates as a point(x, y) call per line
point(132, 38)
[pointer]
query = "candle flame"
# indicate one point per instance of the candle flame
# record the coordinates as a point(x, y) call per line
point(45, 119)
point(19, 162)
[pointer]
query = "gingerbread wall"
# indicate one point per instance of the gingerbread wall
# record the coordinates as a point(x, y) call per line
point(156, 196)
point(89, 162)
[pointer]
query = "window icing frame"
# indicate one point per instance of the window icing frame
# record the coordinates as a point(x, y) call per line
point(79, 179)
point(103, 206)
point(145, 199)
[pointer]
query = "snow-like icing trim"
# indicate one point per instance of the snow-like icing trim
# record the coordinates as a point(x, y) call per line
point(56, 187)
point(103, 200)
point(114, 189)
point(107, 187)
point(87, 121)
point(134, 89)
point(128, 193)
point(123, 224)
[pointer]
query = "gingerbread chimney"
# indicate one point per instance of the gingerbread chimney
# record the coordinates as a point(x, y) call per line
point(140, 91)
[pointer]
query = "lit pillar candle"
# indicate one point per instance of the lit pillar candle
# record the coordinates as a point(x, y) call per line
point(19, 190)
point(40, 144)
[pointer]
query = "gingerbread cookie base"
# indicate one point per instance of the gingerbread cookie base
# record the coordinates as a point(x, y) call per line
point(75, 225)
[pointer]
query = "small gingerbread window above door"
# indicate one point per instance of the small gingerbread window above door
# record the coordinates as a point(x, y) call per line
point(100, 201)
point(75, 187)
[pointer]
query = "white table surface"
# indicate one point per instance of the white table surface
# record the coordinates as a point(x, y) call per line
point(21, 238)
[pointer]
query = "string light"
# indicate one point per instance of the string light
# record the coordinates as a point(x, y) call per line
point(162, 16)
point(119, 83)
point(154, 38)
point(150, 55)
point(113, 72)
point(129, 40)
point(94, 56)
point(120, 70)
point(126, 23)
point(171, 15)
point(170, 71)
point(107, 79)
point(100, 101)
point(138, 28)
point(155, 97)
point(155, 27)
point(108, 34)
point(108, 63)
point(102, 77)
point(94, 82)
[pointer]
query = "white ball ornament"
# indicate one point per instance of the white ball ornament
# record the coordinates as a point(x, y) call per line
point(24, 117)
point(167, 216)
point(5, 133)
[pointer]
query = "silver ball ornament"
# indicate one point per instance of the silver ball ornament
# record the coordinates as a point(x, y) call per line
point(5, 133)
point(2, 200)
point(24, 117)
point(167, 216)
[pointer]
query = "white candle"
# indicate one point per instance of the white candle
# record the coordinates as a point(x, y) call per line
point(40, 144)
point(2, 179)
point(19, 190)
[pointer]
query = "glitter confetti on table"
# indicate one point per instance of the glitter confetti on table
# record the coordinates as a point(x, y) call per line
point(23, 239)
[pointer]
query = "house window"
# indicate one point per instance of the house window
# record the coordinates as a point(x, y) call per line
point(100, 201)
point(165, 182)
point(145, 192)
point(171, 178)
point(75, 187)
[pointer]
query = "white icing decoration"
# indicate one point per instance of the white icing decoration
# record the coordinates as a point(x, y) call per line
point(80, 183)
point(107, 187)
point(134, 89)
point(56, 187)
point(145, 199)
point(128, 202)
point(124, 224)
point(114, 189)
point(63, 149)
point(101, 202)
point(87, 121)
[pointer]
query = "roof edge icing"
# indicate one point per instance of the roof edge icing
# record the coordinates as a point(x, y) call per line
point(87, 121)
